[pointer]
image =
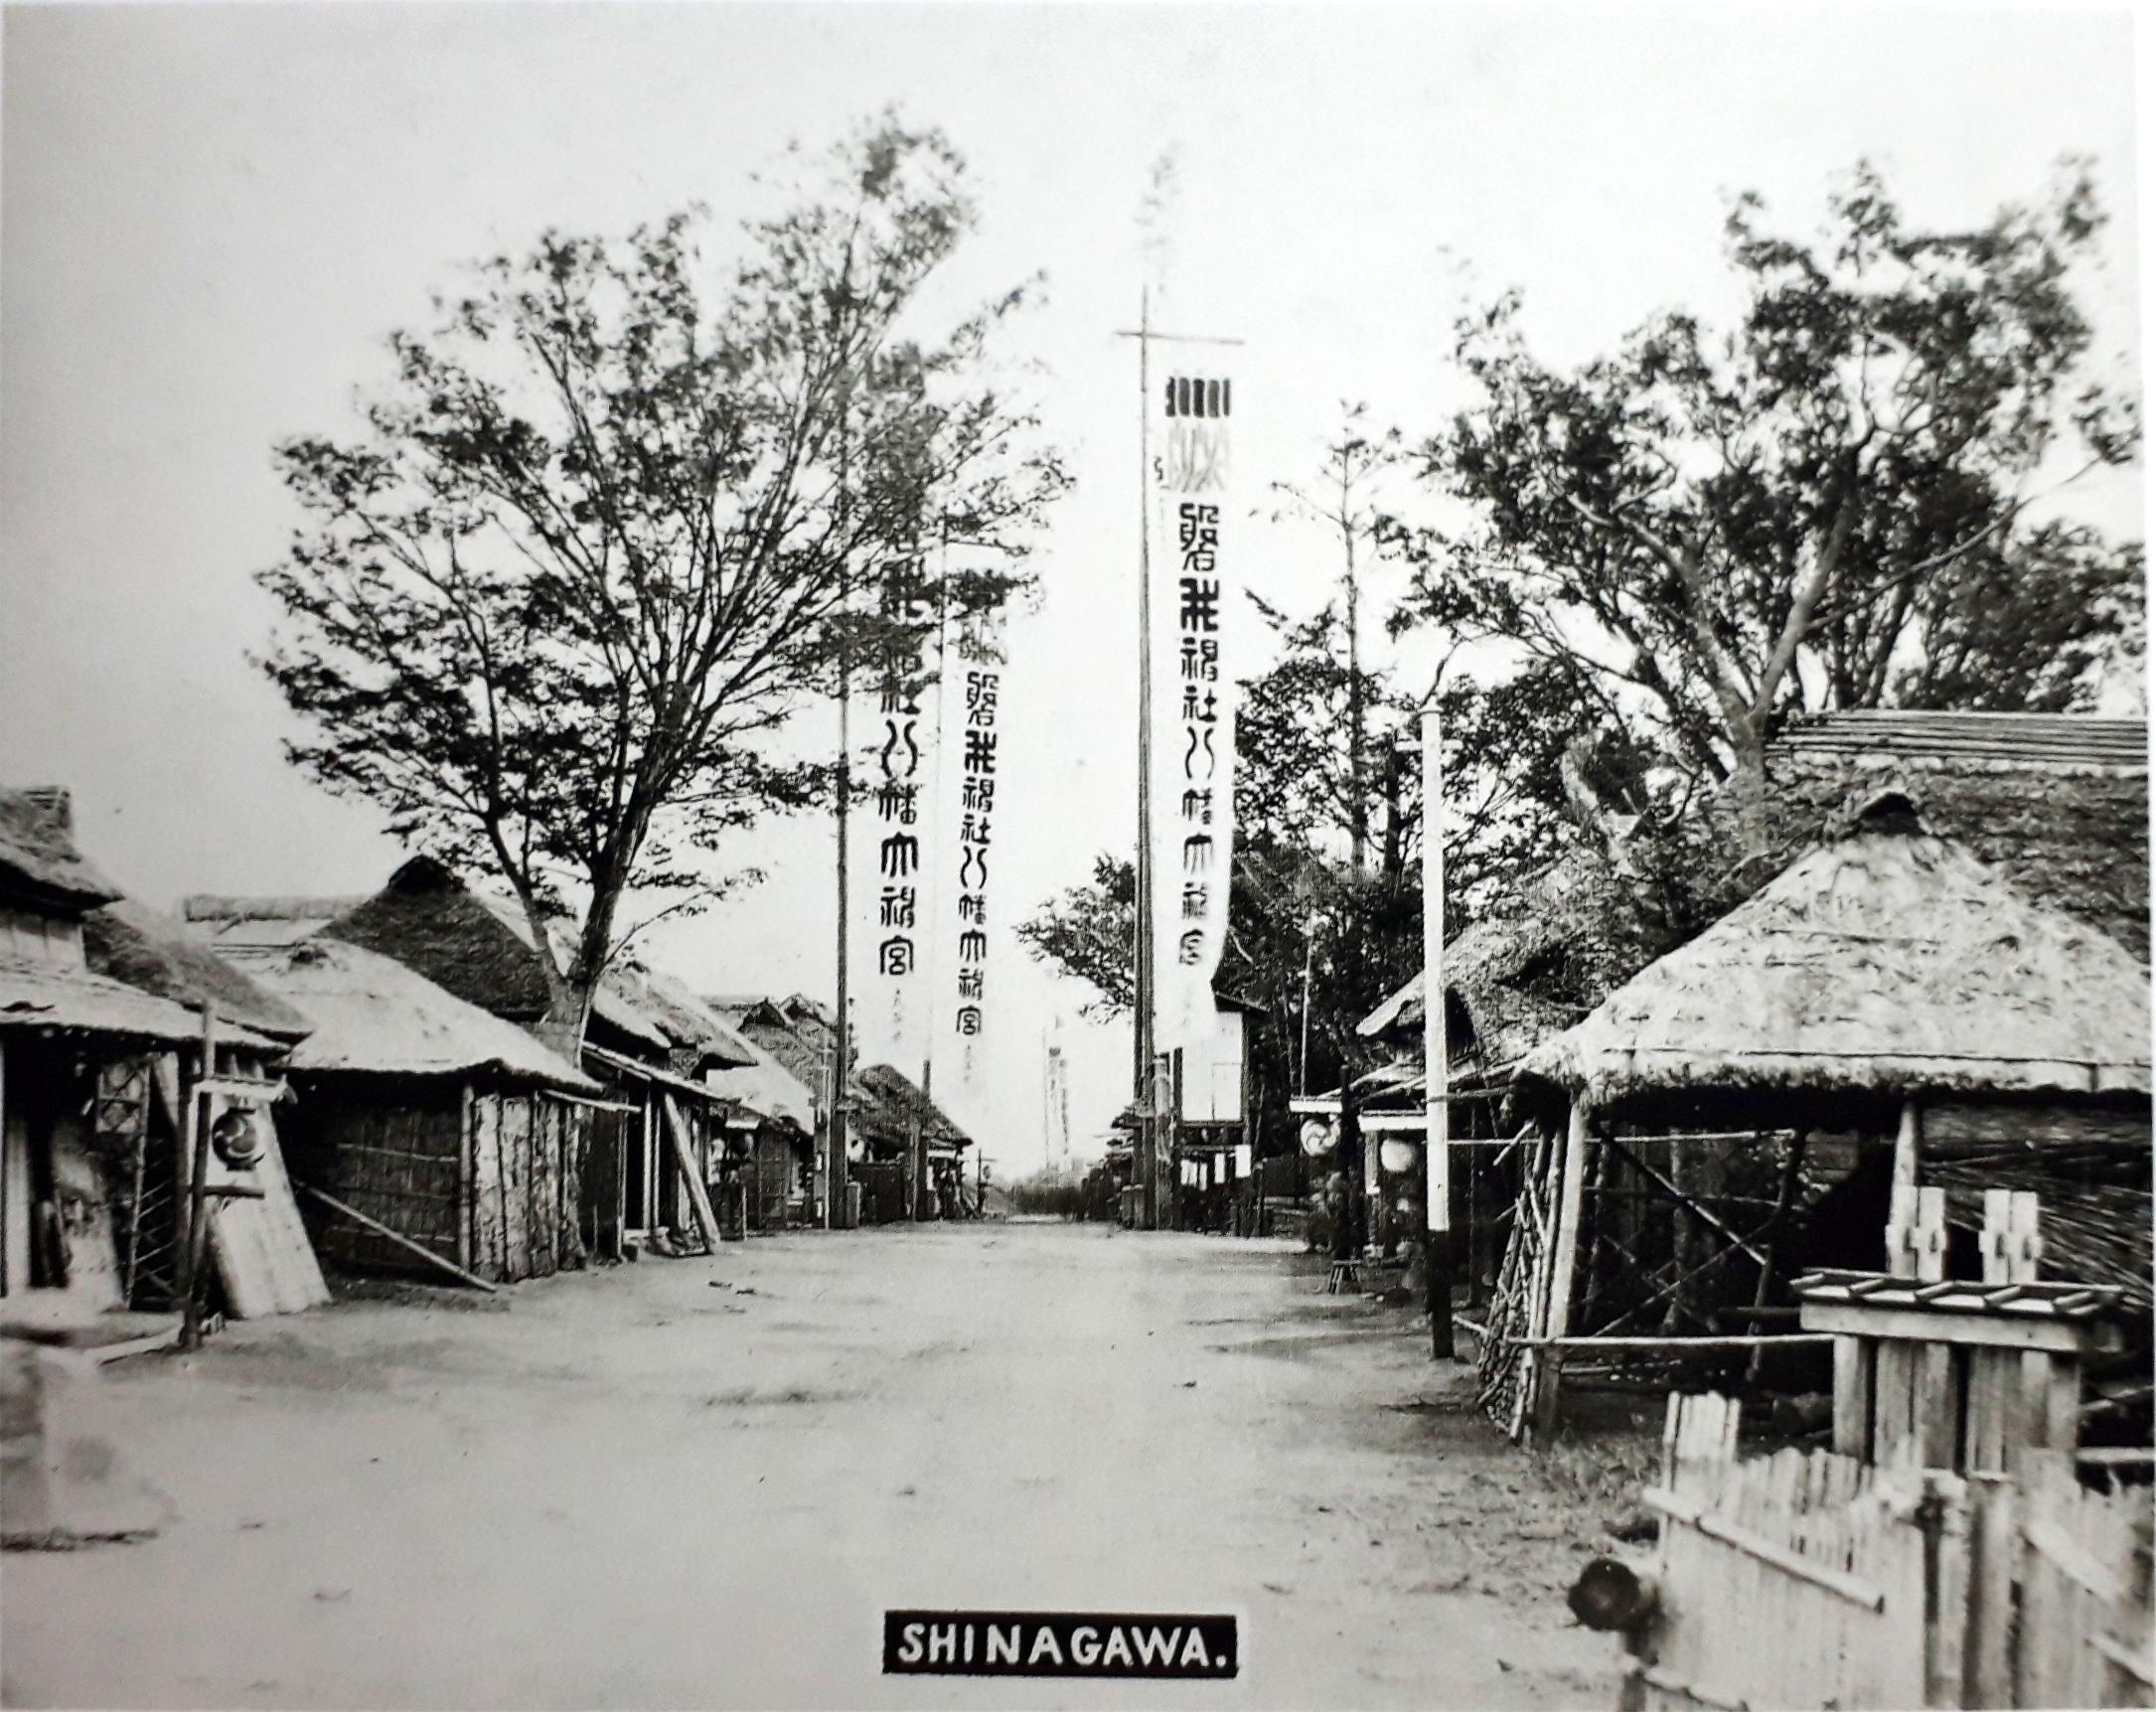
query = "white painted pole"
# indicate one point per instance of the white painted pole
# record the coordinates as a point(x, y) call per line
point(1437, 1109)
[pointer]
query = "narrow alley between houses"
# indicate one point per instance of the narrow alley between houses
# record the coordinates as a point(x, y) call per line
point(702, 1481)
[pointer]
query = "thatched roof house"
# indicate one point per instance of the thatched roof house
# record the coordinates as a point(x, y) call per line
point(700, 1039)
point(440, 1121)
point(38, 859)
point(1889, 987)
point(97, 999)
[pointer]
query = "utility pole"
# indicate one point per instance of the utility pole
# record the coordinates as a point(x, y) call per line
point(1149, 1071)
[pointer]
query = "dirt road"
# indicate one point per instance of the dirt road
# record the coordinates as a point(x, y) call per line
point(700, 1483)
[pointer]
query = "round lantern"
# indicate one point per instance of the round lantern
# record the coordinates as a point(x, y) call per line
point(235, 1140)
point(1397, 1156)
point(1317, 1137)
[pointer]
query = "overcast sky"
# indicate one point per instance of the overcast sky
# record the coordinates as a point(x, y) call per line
point(211, 217)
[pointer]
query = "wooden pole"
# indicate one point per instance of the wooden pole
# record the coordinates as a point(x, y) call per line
point(1566, 1244)
point(1147, 1078)
point(192, 1246)
point(836, 1207)
point(1437, 1065)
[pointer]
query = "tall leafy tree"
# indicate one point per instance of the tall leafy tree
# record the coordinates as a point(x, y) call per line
point(1827, 504)
point(610, 526)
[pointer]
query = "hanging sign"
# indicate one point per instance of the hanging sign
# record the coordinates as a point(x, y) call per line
point(1193, 713)
point(975, 689)
point(897, 1017)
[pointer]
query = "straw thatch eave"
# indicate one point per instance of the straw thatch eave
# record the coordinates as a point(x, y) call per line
point(51, 998)
point(1888, 963)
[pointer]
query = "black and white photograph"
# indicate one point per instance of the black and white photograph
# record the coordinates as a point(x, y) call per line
point(891, 853)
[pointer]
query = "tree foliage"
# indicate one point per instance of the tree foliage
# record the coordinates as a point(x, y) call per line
point(1826, 505)
point(607, 531)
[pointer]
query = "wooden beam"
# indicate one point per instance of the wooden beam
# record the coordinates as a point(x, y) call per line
point(1685, 1203)
point(404, 1242)
point(684, 1157)
point(1912, 1325)
point(1757, 1546)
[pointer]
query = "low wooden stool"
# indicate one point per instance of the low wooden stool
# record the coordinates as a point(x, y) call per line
point(1344, 1277)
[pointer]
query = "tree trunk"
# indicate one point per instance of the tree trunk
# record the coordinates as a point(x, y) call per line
point(561, 1029)
point(1747, 788)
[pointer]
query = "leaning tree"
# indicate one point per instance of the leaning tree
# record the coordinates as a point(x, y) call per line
point(614, 522)
point(1835, 502)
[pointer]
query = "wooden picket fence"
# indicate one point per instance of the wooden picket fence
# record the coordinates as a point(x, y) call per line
point(1810, 1579)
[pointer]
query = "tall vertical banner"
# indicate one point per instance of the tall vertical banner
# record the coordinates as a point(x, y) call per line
point(897, 1017)
point(976, 686)
point(1193, 712)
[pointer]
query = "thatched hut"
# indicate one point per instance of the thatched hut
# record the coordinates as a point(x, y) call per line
point(901, 1118)
point(1887, 994)
point(441, 1124)
point(93, 1004)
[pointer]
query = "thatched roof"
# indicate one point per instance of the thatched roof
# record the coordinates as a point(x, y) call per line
point(133, 943)
point(372, 1015)
point(2055, 802)
point(1891, 962)
point(237, 922)
point(764, 1025)
point(768, 1089)
point(38, 858)
point(706, 1038)
point(477, 946)
point(44, 996)
point(900, 1105)
point(1533, 963)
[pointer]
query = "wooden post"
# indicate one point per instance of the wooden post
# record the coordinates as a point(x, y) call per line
point(1565, 1242)
point(468, 1182)
point(192, 1246)
point(1907, 1146)
point(1994, 1542)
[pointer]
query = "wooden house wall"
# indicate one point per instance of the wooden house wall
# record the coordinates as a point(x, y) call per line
point(770, 1174)
point(530, 1156)
point(397, 1157)
point(601, 1199)
point(48, 1153)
